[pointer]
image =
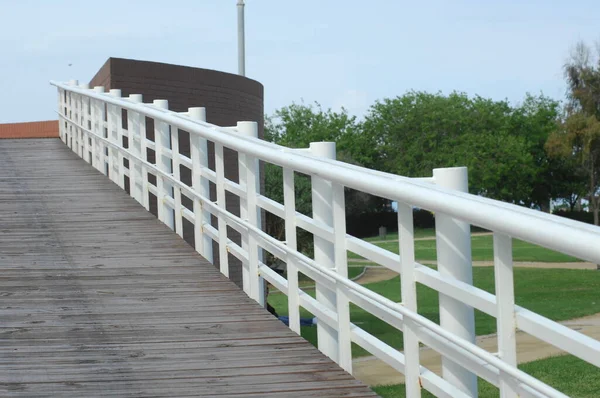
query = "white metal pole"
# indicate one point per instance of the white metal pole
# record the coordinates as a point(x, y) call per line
point(241, 39)
point(453, 241)
point(322, 198)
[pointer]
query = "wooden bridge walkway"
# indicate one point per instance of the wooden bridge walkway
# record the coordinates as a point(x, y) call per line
point(99, 299)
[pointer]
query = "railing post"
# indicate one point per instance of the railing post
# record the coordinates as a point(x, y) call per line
point(291, 241)
point(78, 120)
point(505, 300)
point(162, 140)
point(136, 138)
point(221, 202)
point(98, 125)
point(85, 111)
point(341, 266)
point(250, 177)
point(322, 209)
point(453, 241)
point(61, 113)
point(408, 290)
point(199, 155)
point(71, 140)
point(176, 190)
point(115, 135)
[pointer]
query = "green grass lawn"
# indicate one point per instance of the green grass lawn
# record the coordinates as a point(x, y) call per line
point(482, 250)
point(558, 294)
point(567, 374)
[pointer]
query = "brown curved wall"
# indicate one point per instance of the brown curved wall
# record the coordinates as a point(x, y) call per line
point(228, 98)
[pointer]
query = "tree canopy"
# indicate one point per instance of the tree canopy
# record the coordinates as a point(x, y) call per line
point(528, 153)
point(501, 145)
point(577, 137)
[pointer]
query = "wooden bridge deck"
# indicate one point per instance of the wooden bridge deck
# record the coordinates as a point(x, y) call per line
point(98, 298)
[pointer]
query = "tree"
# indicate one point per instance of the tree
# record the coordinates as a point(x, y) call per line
point(577, 136)
point(296, 126)
point(534, 120)
point(419, 131)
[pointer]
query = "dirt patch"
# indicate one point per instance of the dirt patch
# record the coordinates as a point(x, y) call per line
point(375, 274)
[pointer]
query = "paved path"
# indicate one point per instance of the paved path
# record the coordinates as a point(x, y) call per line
point(428, 237)
point(374, 372)
point(100, 299)
point(518, 264)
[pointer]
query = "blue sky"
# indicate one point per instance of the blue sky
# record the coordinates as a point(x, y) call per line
point(337, 52)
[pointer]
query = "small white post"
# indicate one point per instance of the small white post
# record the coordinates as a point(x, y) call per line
point(162, 140)
point(322, 209)
point(409, 299)
point(135, 144)
point(250, 177)
point(99, 147)
point(505, 301)
point(453, 241)
point(199, 155)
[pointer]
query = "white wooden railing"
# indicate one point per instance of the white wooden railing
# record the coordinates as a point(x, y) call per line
point(91, 125)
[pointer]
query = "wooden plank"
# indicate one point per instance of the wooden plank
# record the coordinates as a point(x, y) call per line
point(99, 299)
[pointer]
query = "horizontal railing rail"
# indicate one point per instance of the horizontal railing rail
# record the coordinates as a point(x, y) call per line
point(92, 124)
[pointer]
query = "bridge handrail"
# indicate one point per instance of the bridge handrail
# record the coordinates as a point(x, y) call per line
point(82, 112)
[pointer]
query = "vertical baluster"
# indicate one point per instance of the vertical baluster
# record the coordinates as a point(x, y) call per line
point(162, 140)
point(71, 115)
point(409, 299)
point(453, 243)
point(78, 118)
point(505, 301)
point(115, 136)
point(176, 174)
point(199, 155)
point(327, 336)
point(93, 132)
point(85, 138)
point(61, 112)
point(69, 124)
point(341, 266)
point(289, 204)
point(220, 171)
point(111, 125)
point(144, 156)
point(252, 182)
point(135, 142)
point(242, 173)
point(100, 132)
